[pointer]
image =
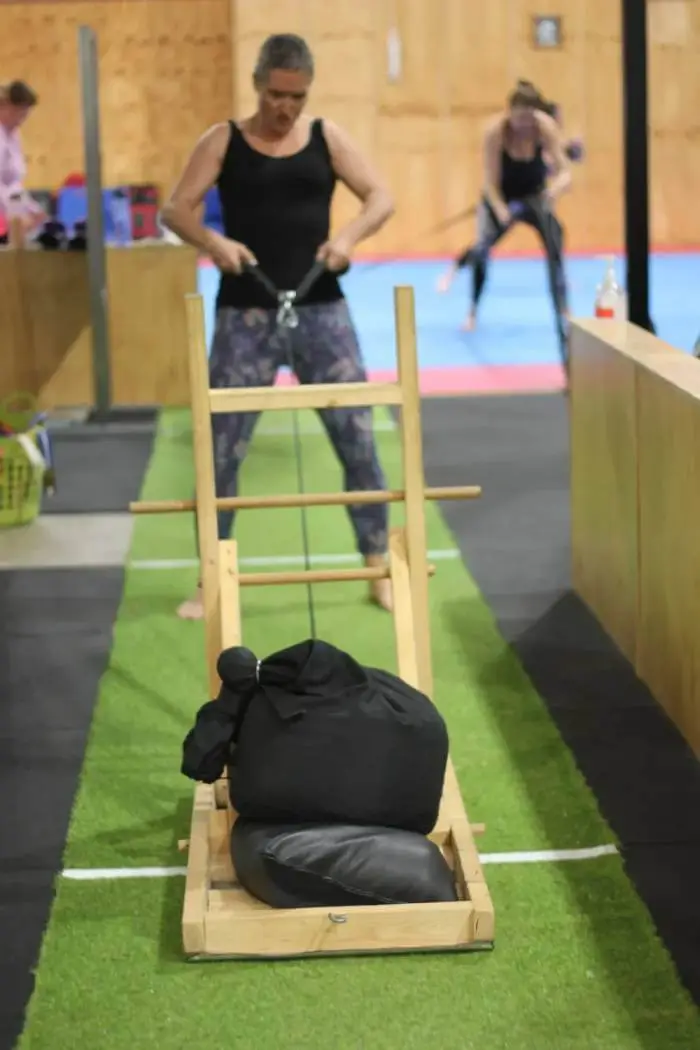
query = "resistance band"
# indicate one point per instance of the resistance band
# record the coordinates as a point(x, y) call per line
point(287, 320)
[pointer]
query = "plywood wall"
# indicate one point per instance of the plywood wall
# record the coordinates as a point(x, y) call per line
point(165, 70)
point(172, 67)
point(459, 61)
point(674, 116)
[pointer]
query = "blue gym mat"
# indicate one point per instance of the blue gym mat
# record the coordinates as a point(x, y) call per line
point(515, 321)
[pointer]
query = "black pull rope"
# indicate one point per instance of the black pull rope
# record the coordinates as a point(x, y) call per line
point(304, 519)
point(287, 320)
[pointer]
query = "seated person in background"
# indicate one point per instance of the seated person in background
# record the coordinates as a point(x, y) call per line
point(17, 100)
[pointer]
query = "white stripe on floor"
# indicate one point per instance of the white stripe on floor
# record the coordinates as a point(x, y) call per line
point(552, 856)
point(95, 874)
point(548, 856)
point(279, 560)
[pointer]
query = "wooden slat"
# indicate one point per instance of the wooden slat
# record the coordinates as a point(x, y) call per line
point(469, 873)
point(452, 804)
point(229, 594)
point(404, 629)
point(229, 900)
point(197, 878)
point(207, 533)
point(311, 395)
point(304, 931)
point(220, 868)
point(307, 499)
point(414, 481)
point(269, 579)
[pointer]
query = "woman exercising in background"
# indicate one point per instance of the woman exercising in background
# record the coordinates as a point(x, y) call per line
point(523, 149)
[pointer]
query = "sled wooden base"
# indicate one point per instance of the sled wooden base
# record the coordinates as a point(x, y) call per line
point(220, 920)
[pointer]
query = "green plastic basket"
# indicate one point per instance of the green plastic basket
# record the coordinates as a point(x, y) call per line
point(21, 480)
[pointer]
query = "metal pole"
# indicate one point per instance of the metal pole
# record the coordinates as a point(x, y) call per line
point(634, 51)
point(97, 267)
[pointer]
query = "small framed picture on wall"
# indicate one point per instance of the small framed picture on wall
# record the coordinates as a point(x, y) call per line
point(546, 31)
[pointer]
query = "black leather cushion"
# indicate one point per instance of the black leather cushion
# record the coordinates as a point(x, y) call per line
point(308, 866)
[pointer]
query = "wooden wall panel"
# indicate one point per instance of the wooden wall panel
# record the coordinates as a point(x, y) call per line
point(170, 68)
point(604, 531)
point(57, 302)
point(46, 337)
point(16, 366)
point(148, 325)
point(674, 117)
point(669, 483)
point(635, 476)
point(165, 74)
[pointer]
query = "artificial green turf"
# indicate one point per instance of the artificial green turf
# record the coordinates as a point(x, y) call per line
point(577, 963)
point(576, 969)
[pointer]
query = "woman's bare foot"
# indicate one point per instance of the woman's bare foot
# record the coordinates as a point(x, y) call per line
point(445, 282)
point(469, 323)
point(380, 590)
point(193, 608)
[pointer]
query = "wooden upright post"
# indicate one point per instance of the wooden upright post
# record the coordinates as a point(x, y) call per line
point(203, 444)
point(414, 482)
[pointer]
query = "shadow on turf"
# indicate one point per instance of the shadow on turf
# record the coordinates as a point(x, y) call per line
point(578, 655)
point(158, 700)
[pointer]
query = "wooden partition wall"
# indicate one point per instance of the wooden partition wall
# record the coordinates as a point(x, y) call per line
point(46, 337)
point(170, 68)
point(635, 492)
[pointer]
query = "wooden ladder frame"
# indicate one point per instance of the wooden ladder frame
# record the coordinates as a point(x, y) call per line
point(219, 919)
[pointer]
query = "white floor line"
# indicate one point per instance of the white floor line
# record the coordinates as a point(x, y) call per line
point(97, 874)
point(552, 856)
point(278, 560)
point(548, 856)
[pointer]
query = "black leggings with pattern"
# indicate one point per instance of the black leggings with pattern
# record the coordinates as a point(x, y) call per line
point(248, 349)
point(533, 212)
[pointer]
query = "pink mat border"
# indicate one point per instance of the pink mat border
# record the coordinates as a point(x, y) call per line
point(477, 379)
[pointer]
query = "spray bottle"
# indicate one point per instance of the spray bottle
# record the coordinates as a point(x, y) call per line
point(610, 299)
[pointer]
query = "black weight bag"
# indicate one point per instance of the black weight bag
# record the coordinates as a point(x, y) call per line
point(309, 736)
point(337, 865)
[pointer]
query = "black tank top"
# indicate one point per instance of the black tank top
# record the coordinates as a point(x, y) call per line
point(522, 178)
point(280, 208)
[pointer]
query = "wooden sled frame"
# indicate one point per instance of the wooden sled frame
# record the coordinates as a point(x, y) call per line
point(220, 920)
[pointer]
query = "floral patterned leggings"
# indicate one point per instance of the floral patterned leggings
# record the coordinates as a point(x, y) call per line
point(247, 350)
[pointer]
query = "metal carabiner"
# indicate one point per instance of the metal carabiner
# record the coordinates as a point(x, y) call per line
point(287, 317)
